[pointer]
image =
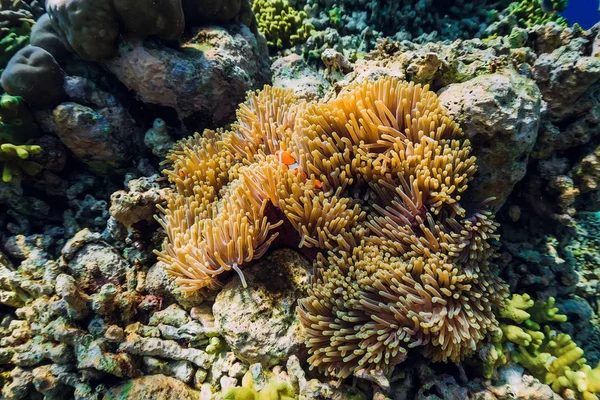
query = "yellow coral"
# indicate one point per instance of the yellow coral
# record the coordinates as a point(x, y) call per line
point(15, 158)
point(273, 390)
point(282, 25)
point(554, 358)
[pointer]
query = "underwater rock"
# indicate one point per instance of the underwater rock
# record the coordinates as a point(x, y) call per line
point(180, 370)
point(93, 262)
point(259, 322)
point(157, 138)
point(172, 315)
point(292, 72)
point(515, 384)
point(162, 18)
point(169, 349)
point(313, 388)
point(500, 114)
point(159, 387)
point(203, 81)
point(94, 125)
point(569, 79)
point(160, 283)
point(138, 204)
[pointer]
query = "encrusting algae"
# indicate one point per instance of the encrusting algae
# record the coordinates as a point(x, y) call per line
point(375, 179)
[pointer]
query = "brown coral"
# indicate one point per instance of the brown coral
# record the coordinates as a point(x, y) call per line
point(374, 177)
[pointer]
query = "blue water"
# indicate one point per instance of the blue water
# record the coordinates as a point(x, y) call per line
point(584, 12)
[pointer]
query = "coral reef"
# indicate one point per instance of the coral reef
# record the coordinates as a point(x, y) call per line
point(71, 328)
point(14, 160)
point(525, 14)
point(551, 357)
point(16, 20)
point(281, 24)
point(363, 174)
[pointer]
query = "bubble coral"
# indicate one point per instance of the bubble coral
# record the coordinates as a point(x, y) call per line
point(375, 178)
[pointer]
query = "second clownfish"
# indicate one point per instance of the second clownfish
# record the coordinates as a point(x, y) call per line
point(286, 158)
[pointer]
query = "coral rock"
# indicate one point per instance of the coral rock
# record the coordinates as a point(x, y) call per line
point(203, 81)
point(259, 322)
point(137, 205)
point(500, 114)
point(158, 387)
point(292, 72)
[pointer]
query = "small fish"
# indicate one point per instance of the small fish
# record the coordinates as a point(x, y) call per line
point(547, 6)
point(286, 158)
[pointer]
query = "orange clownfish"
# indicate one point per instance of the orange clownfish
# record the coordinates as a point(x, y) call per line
point(286, 158)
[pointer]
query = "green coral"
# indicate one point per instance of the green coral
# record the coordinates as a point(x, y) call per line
point(552, 357)
point(15, 28)
point(274, 390)
point(16, 130)
point(335, 16)
point(530, 13)
point(281, 24)
point(12, 40)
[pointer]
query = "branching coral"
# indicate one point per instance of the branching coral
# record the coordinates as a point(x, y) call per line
point(552, 357)
point(530, 13)
point(374, 177)
point(15, 158)
point(282, 25)
point(16, 21)
point(16, 126)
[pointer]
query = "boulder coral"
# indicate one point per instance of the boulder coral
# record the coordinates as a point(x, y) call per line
point(374, 178)
point(91, 28)
point(34, 75)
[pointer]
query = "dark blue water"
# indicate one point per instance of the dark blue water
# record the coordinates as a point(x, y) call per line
point(584, 12)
